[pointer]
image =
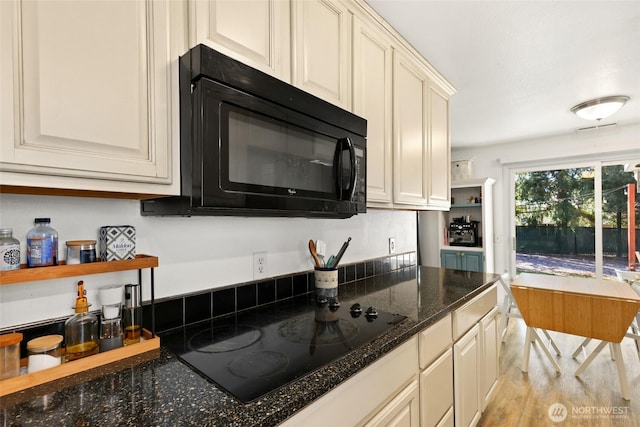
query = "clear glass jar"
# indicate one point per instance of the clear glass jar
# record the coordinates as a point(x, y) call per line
point(42, 244)
point(44, 352)
point(9, 250)
point(10, 355)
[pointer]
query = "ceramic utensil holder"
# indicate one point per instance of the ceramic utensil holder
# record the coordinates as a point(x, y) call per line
point(326, 282)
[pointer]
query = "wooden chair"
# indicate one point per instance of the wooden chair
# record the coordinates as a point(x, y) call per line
point(509, 309)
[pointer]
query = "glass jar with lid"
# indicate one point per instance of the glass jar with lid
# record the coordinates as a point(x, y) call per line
point(10, 355)
point(9, 250)
point(44, 352)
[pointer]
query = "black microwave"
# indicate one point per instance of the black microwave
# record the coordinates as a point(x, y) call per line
point(253, 145)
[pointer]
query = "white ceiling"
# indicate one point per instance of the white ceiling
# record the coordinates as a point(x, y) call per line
point(519, 66)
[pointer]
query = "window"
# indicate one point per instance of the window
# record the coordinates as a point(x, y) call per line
point(571, 220)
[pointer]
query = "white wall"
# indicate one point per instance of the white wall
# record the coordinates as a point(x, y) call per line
point(194, 253)
point(495, 161)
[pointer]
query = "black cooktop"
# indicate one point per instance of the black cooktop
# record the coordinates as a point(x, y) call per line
point(251, 354)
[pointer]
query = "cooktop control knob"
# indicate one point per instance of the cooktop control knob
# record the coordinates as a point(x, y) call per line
point(371, 313)
point(334, 304)
point(355, 310)
point(321, 300)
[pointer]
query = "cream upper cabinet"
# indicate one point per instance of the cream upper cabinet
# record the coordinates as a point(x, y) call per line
point(255, 32)
point(439, 152)
point(86, 93)
point(322, 49)
point(372, 71)
point(410, 91)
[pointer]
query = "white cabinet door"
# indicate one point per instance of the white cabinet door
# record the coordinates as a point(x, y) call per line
point(438, 157)
point(372, 71)
point(402, 411)
point(436, 390)
point(255, 32)
point(490, 367)
point(466, 373)
point(410, 84)
point(86, 90)
point(322, 49)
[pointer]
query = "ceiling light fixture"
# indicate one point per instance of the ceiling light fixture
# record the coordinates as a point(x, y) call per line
point(600, 108)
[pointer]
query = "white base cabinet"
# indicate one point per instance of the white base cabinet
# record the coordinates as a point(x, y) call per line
point(475, 356)
point(466, 359)
point(490, 347)
point(436, 391)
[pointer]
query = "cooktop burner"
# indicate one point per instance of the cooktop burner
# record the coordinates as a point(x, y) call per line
point(224, 338)
point(251, 354)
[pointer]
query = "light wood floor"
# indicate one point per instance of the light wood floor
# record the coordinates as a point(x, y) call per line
point(524, 399)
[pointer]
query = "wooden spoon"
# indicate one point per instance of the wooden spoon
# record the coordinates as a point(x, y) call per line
point(312, 249)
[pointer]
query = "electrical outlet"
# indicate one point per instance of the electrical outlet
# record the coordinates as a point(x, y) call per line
point(392, 245)
point(259, 265)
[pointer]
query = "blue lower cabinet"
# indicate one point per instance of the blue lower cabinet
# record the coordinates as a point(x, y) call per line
point(462, 260)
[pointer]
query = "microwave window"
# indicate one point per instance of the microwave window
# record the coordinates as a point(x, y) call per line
point(273, 153)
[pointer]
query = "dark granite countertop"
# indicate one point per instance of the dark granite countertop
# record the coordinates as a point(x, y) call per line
point(158, 390)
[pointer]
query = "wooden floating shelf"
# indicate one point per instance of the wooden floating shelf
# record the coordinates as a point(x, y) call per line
point(25, 274)
point(23, 382)
point(466, 205)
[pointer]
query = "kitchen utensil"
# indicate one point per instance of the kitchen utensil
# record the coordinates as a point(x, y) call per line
point(314, 254)
point(321, 250)
point(330, 261)
point(340, 253)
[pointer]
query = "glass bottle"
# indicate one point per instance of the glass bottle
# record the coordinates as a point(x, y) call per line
point(42, 244)
point(9, 250)
point(132, 316)
point(81, 330)
point(110, 320)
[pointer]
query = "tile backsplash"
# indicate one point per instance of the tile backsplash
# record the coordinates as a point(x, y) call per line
point(180, 310)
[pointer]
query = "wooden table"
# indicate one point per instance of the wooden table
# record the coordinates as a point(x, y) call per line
point(598, 309)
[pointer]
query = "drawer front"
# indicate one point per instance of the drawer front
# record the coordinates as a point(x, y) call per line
point(471, 313)
point(434, 341)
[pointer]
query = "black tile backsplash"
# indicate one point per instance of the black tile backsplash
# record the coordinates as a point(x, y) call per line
point(266, 292)
point(169, 315)
point(350, 273)
point(197, 307)
point(175, 312)
point(224, 301)
point(300, 284)
point(247, 296)
point(284, 288)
